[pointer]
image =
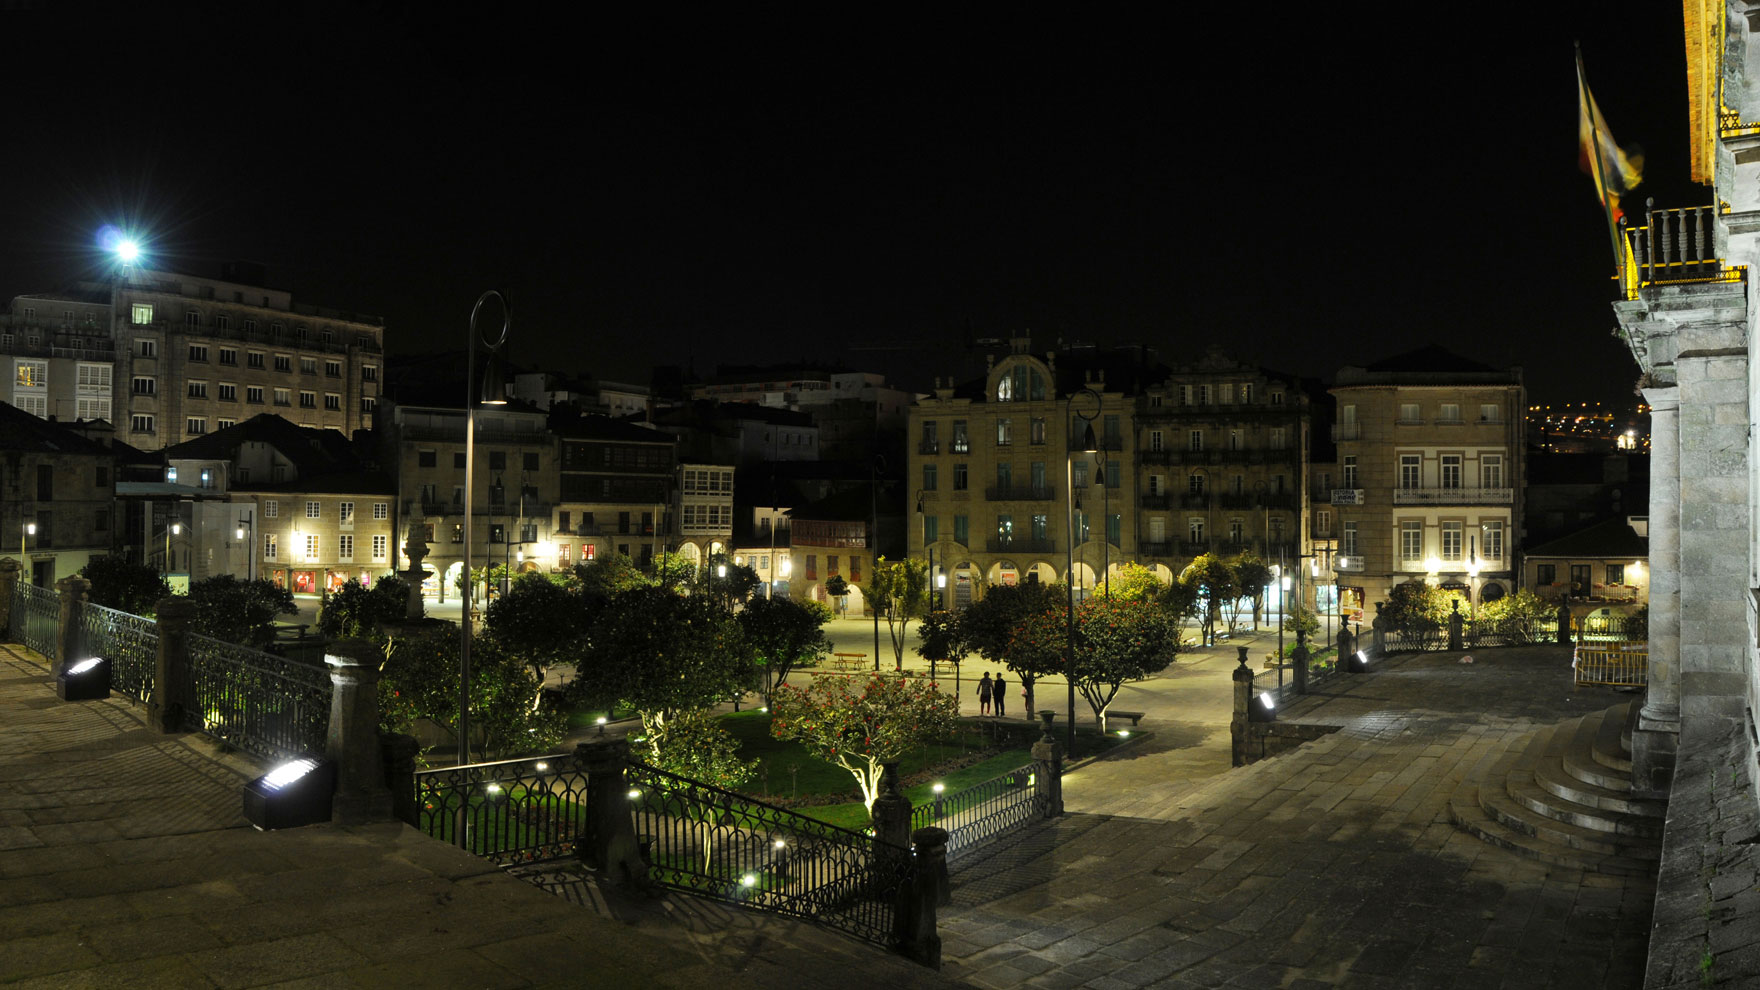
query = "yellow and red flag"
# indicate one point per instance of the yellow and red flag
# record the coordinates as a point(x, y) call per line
point(1615, 170)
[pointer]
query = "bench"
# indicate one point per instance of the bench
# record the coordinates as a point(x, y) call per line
point(1135, 717)
point(848, 661)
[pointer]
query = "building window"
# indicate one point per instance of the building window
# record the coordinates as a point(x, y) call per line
point(381, 510)
point(314, 510)
point(1449, 413)
point(283, 397)
point(369, 373)
point(1409, 465)
point(931, 529)
point(308, 400)
point(1004, 432)
point(269, 546)
point(193, 318)
point(1278, 440)
point(308, 366)
point(228, 355)
point(333, 369)
point(961, 529)
point(146, 386)
point(1347, 543)
point(1411, 541)
point(379, 547)
point(1036, 430)
point(1196, 440)
point(142, 314)
point(1491, 470)
point(1247, 393)
point(198, 390)
point(311, 546)
point(367, 404)
point(1041, 526)
point(1203, 395)
point(228, 392)
point(1350, 470)
point(345, 513)
point(529, 461)
point(253, 359)
point(1236, 530)
point(284, 363)
point(1323, 521)
point(253, 394)
point(931, 475)
point(198, 352)
point(812, 567)
point(1616, 575)
point(1195, 484)
point(498, 460)
point(1451, 541)
point(271, 508)
point(1195, 529)
point(1156, 441)
point(1409, 413)
point(1451, 470)
point(221, 424)
point(1493, 549)
point(1545, 574)
point(1488, 412)
point(345, 548)
point(961, 442)
point(960, 479)
point(332, 401)
point(196, 425)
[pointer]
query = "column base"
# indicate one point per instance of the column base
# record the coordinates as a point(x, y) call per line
point(1654, 744)
point(361, 809)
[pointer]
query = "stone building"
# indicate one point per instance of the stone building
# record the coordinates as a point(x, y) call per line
point(704, 510)
point(167, 356)
point(1430, 455)
point(1205, 457)
point(616, 490)
point(60, 484)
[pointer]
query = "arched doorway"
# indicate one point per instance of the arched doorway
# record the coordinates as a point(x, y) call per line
point(1003, 572)
point(1082, 580)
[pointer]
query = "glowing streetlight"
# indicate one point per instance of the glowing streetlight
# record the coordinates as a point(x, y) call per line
point(128, 251)
point(29, 529)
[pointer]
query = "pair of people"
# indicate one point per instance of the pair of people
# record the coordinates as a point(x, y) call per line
point(992, 691)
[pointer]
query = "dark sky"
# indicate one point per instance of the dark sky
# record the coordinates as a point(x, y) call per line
point(871, 187)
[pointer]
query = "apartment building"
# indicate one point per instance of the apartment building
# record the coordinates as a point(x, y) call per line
point(1430, 460)
point(57, 492)
point(616, 491)
point(704, 510)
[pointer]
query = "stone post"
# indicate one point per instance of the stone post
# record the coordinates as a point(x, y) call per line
point(1299, 658)
point(1379, 627)
point(918, 939)
point(1564, 624)
point(1454, 625)
point(1048, 754)
point(891, 815)
point(1657, 735)
point(353, 744)
point(69, 638)
point(9, 569)
point(609, 844)
point(1347, 644)
point(171, 676)
point(1243, 694)
point(399, 752)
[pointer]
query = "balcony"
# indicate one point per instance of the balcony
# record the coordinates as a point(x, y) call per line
point(1241, 501)
point(1019, 493)
point(1347, 431)
point(1671, 248)
point(1453, 496)
point(1157, 457)
point(997, 544)
point(1278, 500)
point(1159, 548)
point(1199, 501)
point(929, 447)
point(1162, 500)
point(1349, 563)
point(1190, 548)
point(1347, 496)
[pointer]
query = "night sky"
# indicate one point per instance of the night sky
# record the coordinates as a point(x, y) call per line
point(871, 187)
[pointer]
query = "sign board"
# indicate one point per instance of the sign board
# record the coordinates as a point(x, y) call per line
point(1350, 604)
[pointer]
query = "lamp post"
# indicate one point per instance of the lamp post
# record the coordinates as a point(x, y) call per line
point(874, 546)
point(491, 394)
point(1088, 446)
point(175, 529)
point(245, 532)
point(1101, 463)
point(24, 530)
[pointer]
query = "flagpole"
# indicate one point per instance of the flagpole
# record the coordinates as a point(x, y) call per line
point(1588, 111)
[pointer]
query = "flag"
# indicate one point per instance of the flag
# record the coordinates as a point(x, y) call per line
point(1614, 171)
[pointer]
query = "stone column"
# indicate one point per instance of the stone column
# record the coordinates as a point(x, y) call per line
point(1657, 734)
point(1454, 626)
point(609, 844)
point(891, 815)
point(918, 939)
point(171, 678)
point(1048, 754)
point(1347, 644)
point(9, 569)
point(353, 743)
point(69, 639)
point(1564, 624)
point(1243, 694)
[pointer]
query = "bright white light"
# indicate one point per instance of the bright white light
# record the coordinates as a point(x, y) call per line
point(239, 533)
point(1362, 659)
point(938, 788)
point(748, 881)
point(1265, 699)
point(543, 767)
point(85, 665)
point(127, 250)
point(600, 720)
point(287, 773)
point(780, 844)
point(633, 794)
point(720, 570)
point(1124, 733)
point(177, 529)
point(493, 788)
point(31, 528)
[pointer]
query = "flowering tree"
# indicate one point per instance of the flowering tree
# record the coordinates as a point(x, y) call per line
point(859, 731)
point(1115, 641)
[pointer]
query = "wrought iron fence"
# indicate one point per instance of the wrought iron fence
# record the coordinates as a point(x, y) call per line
point(509, 812)
point(261, 703)
point(1420, 635)
point(977, 814)
point(129, 642)
point(1614, 664)
point(1606, 629)
point(36, 617)
point(714, 843)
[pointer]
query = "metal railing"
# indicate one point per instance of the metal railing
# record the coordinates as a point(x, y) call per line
point(714, 843)
point(266, 705)
point(129, 642)
point(1019, 493)
point(40, 609)
point(1347, 496)
point(1453, 496)
point(508, 812)
point(1673, 246)
point(974, 815)
point(1614, 664)
point(1602, 629)
point(1019, 544)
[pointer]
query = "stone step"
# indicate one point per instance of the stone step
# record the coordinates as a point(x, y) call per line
point(1525, 788)
point(1465, 811)
point(1612, 745)
point(1566, 781)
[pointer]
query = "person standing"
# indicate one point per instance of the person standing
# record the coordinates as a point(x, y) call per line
point(1000, 691)
point(984, 688)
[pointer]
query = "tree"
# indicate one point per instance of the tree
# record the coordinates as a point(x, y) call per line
point(509, 713)
point(987, 627)
point(356, 610)
point(1115, 641)
point(695, 745)
point(899, 591)
point(782, 635)
point(673, 569)
point(608, 576)
point(1516, 616)
point(1136, 583)
point(662, 653)
point(1216, 585)
point(122, 584)
point(238, 611)
point(540, 622)
point(838, 588)
point(861, 731)
point(1254, 577)
point(727, 582)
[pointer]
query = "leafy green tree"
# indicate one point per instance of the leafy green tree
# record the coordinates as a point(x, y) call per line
point(862, 730)
point(124, 585)
point(1115, 641)
point(1516, 616)
point(510, 715)
point(938, 637)
point(673, 569)
point(899, 590)
point(539, 621)
point(987, 628)
point(1136, 583)
point(1255, 577)
point(695, 745)
point(661, 653)
point(237, 611)
point(1181, 602)
point(837, 587)
point(609, 576)
point(1217, 586)
point(782, 635)
point(355, 610)
point(727, 582)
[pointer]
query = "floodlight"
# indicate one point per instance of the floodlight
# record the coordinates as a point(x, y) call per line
point(1358, 663)
point(293, 794)
point(127, 250)
point(1262, 708)
point(87, 680)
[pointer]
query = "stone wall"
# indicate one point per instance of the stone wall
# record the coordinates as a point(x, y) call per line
point(1267, 739)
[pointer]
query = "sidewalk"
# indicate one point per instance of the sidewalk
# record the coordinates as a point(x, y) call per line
point(125, 862)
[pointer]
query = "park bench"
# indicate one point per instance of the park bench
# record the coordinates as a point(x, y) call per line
point(849, 661)
point(1135, 717)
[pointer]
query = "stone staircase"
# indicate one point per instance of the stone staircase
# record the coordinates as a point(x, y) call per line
point(1563, 796)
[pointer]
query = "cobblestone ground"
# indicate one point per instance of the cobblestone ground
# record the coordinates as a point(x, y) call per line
point(1332, 865)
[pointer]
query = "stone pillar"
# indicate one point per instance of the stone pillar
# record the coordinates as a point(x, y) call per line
point(9, 569)
point(1243, 694)
point(399, 753)
point(353, 743)
point(891, 815)
point(1347, 644)
point(918, 939)
point(609, 844)
point(1454, 626)
point(1564, 624)
point(69, 638)
point(1657, 734)
point(1048, 754)
point(1299, 656)
point(1379, 627)
point(171, 676)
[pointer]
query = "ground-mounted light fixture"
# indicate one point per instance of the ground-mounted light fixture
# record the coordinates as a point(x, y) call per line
point(1358, 663)
point(86, 680)
point(294, 794)
point(1262, 708)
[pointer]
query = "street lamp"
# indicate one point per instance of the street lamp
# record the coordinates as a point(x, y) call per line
point(491, 393)
point(175, 529)
point(1089, 445)
point(244, 532)
point(25, 529)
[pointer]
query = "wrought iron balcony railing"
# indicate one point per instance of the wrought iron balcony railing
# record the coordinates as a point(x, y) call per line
point(997, 544)
point(1453, 496)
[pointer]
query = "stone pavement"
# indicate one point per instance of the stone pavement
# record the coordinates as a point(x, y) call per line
point(125, 862)
point(1332, 865)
